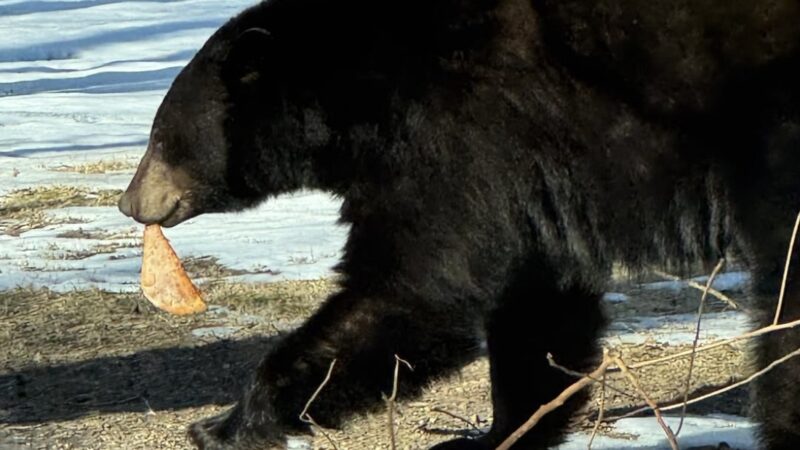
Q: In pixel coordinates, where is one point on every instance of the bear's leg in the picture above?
(535, 322)
(775, 394)
(766, 195)
(363, 334)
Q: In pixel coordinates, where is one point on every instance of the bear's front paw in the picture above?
(208, 434)
(227, 431)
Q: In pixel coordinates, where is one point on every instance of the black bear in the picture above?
(494, 158)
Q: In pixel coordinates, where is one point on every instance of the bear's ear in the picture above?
(247, 58)
(253, 35)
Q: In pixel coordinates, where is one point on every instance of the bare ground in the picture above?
(94, 370)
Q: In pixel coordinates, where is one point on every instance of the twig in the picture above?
(600, 414)
(719, 295)
(313, 397)
(696, 340)
(720, 343)
(635, 382)
(553, 404)
(305, 417)
(577, 374)
(719, 391)
(455, 416)
(789, 253)
(393, 397)
(150, 411)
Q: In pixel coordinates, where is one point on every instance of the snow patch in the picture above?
(644, 433)
(678, 329)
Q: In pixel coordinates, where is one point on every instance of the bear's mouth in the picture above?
(181, 212)
(148, 209)
(156, 208)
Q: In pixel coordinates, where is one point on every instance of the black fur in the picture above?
(495, 157)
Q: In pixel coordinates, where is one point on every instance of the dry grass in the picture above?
(288, 300)
(99, 249)
(55, 196)
(209, 267)
(99, 235)
(97, 167)
(31, 220)
(25, 209)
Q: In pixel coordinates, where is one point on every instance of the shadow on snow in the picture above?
(23, 8)
(181, 56)
(99, 83)
(66, 49)
(24, 152)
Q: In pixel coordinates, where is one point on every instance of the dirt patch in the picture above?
(97, 370)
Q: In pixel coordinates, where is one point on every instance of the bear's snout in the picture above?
(157, 193)
(149, 206)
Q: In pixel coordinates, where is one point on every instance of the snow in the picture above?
(728, 281)
(678, 329)
(644, 433)
(80, 81)
(615, 297)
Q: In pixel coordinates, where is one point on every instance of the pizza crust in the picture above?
(164, 281)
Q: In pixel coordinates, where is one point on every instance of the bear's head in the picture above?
(229, 133)
(280, 99)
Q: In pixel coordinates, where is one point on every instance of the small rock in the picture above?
(215, 332)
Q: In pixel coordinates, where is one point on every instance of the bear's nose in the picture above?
(125, 204)
(155, 204)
